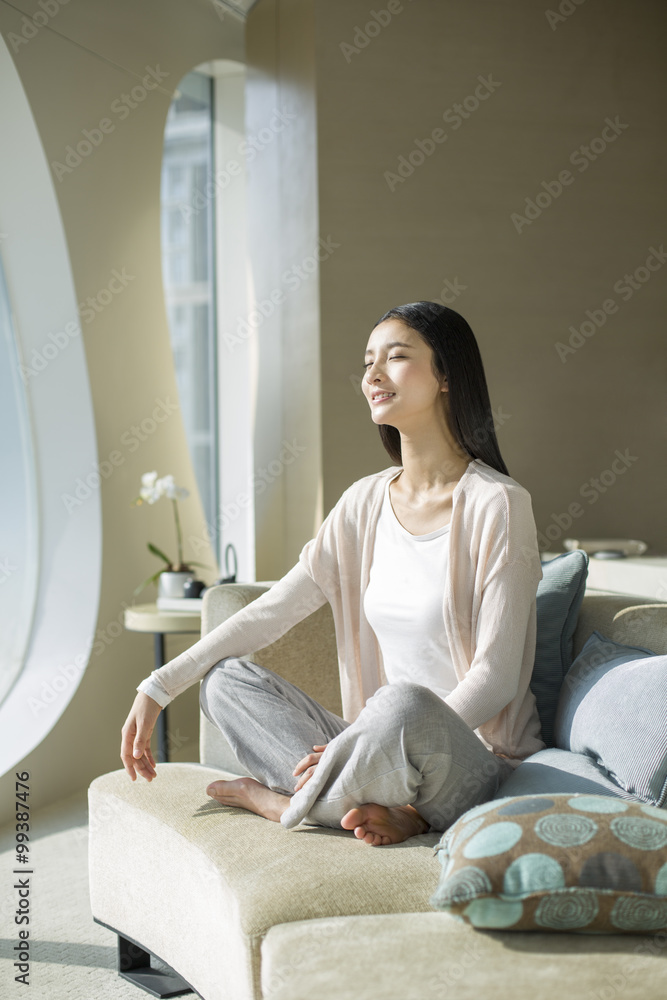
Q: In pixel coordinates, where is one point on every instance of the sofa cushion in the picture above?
(430, 956)
(555, 770)
(590, 863)
(559, 596)
(199, 884)
(613, 707)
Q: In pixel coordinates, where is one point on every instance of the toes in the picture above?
(217, 789)
(350, 820)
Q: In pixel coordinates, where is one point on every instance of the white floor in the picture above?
(72, 958)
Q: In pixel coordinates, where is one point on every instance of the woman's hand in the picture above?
(135, 747)
(306, 767)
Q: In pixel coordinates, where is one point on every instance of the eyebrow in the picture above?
(394, 343)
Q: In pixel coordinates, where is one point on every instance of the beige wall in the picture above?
(73, 70)
(449, 221)
(560, 423)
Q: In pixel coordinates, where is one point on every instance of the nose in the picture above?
(371, 373)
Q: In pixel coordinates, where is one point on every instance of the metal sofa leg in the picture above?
(134, 964)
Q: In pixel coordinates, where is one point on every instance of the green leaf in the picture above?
(151, 579)
(158, 552)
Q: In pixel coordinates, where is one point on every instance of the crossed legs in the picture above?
(407, 764)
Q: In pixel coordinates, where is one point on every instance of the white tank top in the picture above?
(403, 602)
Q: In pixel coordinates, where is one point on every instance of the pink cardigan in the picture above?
(489, 607)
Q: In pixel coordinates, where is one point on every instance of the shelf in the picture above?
(642, 576)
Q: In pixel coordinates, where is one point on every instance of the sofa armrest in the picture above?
(625, 618)
(306, 656)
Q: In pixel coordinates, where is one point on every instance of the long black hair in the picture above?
(455, 357)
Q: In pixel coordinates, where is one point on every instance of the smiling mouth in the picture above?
(381, 399)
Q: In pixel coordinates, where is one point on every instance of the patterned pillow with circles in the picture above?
(562, 862)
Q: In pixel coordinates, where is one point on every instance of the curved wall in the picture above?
(99, 79)
(65, 564)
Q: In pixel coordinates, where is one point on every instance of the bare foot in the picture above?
(382, 825)
(247, 793)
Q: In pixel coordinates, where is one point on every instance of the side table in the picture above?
(147, 618)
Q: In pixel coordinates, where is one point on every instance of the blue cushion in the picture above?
(555, 770)
(559, 596)
(613, 707)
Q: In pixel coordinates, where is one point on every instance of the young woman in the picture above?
(431, 569)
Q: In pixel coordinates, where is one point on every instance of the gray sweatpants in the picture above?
(405, 747)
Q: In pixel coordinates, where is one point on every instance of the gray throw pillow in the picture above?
(613, 707)
(559, 596)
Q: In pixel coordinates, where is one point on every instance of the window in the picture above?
(206, 281)
(188, 267)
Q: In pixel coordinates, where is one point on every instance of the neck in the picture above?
(431, 462)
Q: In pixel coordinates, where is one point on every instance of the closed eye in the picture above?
(394, 357)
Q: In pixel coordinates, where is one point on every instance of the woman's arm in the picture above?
(505, 624)
(260, 623)
(135, 747)
(505, 632)
(255, 626)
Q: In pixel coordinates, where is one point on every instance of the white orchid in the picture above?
(152, 489)
(169, 489)
(149, 490)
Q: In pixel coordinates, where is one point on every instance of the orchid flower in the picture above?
(152, 489)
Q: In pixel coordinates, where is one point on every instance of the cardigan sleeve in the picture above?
(505, 630)
(263, 621)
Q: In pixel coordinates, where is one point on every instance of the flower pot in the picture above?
(172, 584)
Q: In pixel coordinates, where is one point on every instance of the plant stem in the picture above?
(179, 538)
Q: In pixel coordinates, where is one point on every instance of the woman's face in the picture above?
(398, 362)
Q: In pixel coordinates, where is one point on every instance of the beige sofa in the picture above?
(244, 909)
